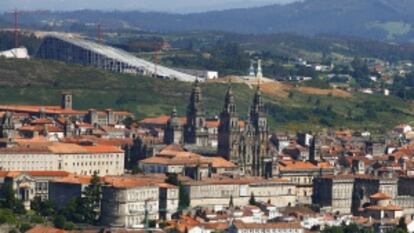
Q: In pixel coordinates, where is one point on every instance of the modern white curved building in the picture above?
(88, 53)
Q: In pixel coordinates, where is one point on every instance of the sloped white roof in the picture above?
(127, 58)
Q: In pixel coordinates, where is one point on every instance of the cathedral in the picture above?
(246, 146)
(243, 143)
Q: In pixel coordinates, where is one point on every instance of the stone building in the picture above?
(249, 147)
(217, 192)
(302, 174)
(195, 129)
(65, 189)
(130, 202)
(83, 158)
(348, 193)
(174, 159)
(244, 144)
(31, 184)
(334, 193)
(66, 110)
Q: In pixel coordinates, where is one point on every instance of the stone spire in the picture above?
(257, 107)
(251, 70)
(195, 132)
(259, 74)
(229, 129)
(229, 102)
(196, 99)
(174, 118)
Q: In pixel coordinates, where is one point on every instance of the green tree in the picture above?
(172, 179)
(184, 198)
(402, 224)
(59, 221)
(44, 208)
(25, 227)
(74, 210)
(252, 200)
(334, 229)
(9, 200)
(91, 200)
(7, 216)
(398, 230)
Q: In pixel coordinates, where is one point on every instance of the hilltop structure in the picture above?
(88, 53)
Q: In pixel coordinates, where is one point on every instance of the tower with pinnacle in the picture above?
(173, 130)
(195, 131)
(229, 128)
(247, 148)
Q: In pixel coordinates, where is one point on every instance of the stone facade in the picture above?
(195, 130)
(217, 192)
(246, 145)
(248, 148)
(302, 174)
(334, 193)
(127, 207)
(348, 193)
(73, 158)
(168, 201)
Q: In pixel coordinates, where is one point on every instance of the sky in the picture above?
(173, 6)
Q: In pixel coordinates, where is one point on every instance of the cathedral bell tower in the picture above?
(229, 129)
(173, 131)
(262, 161)
(258, 115)
(195, 129)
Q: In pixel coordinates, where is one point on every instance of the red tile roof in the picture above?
(45, 229)
(380, 196)
(37, 109)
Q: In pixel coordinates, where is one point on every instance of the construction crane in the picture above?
(16, 19)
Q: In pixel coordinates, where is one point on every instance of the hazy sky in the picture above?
(180, 6)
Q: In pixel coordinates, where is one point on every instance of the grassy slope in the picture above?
(40, 82)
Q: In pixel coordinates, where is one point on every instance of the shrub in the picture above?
(25, 227)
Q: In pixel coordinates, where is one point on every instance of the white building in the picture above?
(83, 159)
(126, 201)
(216, 192)
(18, 53)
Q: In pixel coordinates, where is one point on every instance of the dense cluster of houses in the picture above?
(238, 176)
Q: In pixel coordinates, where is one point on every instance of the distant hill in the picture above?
(377, 19)
(41, 82)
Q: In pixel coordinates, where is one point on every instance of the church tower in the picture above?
(173, 131)
(258, 116)
(195, 129)
(262, 162)
(229, 129)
